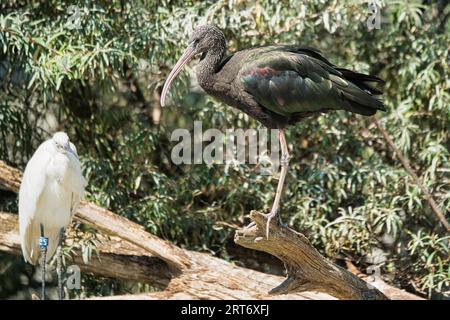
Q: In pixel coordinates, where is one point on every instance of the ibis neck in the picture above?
(207, 68)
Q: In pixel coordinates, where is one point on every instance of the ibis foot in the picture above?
(251, 224)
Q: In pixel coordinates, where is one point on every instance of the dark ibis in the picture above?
(278, 85)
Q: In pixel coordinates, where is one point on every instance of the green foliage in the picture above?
(345, 190)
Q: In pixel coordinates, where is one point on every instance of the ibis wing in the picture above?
(289, 80)
(31, 188)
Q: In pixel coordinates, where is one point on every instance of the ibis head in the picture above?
(202, 40)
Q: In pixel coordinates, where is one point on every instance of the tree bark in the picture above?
(307, 269)
(208, 278)
(185, 274)
(113, 258)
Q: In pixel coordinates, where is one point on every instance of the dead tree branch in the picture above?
(194, 275)
(405, 163)
(114, 258)
(209, 277)
(307, 269)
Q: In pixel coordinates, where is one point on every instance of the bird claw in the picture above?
(258, 239)
(251, 224)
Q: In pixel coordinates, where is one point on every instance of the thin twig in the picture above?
(433, 205)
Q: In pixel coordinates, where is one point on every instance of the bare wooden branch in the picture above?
(392, 292)
(113, 224)
(193, 275)
(9, 177)
(217, 279)
(307, 269)
(177, 295)
(114, 258)
(405, 163)
(209, 277)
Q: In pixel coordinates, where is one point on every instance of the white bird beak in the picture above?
(69, 150)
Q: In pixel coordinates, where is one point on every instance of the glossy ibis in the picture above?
(277, 85)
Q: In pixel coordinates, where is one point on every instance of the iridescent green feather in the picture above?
(289, 80)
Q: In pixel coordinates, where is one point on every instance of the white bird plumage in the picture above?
(51, 189)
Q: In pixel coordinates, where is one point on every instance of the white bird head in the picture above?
(62, 143)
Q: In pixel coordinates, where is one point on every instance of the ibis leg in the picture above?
(284, 168)
(43, 243)
(59, 264)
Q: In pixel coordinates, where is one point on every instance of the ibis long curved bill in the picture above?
(185, 57)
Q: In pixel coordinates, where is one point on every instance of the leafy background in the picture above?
(345, 189)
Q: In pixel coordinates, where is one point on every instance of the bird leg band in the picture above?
(43, 243)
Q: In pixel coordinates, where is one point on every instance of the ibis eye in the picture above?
(195, 42)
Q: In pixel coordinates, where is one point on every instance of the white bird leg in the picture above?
(284, 168)
(43, 243)
(59, 264)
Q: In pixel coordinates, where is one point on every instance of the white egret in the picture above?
(51, 189)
